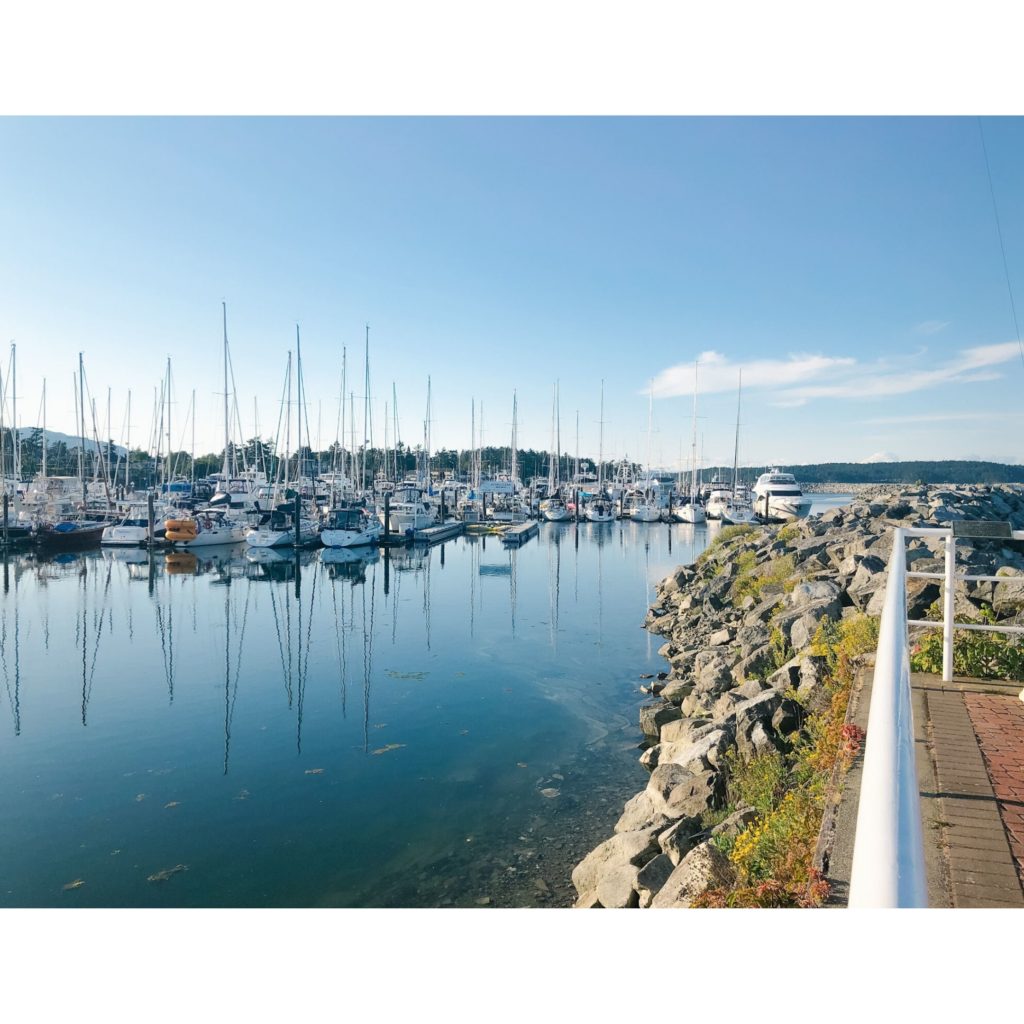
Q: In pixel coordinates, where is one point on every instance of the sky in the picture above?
(850, 267)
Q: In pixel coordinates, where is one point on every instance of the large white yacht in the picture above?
(777, 495)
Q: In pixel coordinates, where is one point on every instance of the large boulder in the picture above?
(654, 716)
(704, 867)
(678, 793)
(640, 812)
(712, 671)
(679, 839)
(617, 889)
(635, 848)
(699, 755)
(652, 877)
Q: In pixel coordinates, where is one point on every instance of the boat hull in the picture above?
(351, 538)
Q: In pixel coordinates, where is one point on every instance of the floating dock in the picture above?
(519, 534)
(433, 534)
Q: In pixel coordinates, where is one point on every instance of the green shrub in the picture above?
(975, 654)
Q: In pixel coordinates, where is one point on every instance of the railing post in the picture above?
(948, 602)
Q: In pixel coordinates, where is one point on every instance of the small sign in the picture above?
(982, 530)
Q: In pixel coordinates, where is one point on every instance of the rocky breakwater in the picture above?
(744, 672)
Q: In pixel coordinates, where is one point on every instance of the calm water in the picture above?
(452, 726)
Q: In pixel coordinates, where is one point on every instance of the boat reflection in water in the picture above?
(362, 712)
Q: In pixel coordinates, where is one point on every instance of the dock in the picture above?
(520, 533)
(434, 534)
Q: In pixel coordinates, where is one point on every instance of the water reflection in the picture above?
(217, 685)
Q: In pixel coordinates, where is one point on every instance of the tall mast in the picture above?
(600, 446)
(736, 450)
(366, 405)
(16, 442)
(394, 414)
(344, 385)
(81, 435)
(224, 308)
(45, 445)
(577, 472)
(193, 457)
(298, 419)
(127, 442)
(650, 421)
(110, 431)
(558, 437)
(472, 442)
(693, 460)
(514, 440)
(167, 461)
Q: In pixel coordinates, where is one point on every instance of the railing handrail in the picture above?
(888, 857)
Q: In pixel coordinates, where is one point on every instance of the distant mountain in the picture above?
(56, 437)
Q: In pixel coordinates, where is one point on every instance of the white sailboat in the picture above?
(646, 507)
(693, 512)
(600, 509)
(553, 508)
(737, 510)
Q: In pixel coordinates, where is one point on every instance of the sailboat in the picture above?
(279, 528)
(693, 512)
(600, 509)
(646, 508)
(554, 509)
(737, 510)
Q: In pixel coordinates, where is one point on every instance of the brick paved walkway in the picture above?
(999, 724)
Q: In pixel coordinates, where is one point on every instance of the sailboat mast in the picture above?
(736, 449)
(693, 469)
(167, 459)
(224, 310)
(81, 435)
(600, 446)
(127, 440)
(650, 423)
(298, 420)
(45, 445)
(366, 405)
(514, 439)
(16, 436)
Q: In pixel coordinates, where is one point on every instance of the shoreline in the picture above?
(744, 673)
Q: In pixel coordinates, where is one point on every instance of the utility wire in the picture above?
(999, 232)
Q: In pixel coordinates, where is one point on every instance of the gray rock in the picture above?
(675, 690)
(712, 671)
(617, 888)
(679, 839)
(678, 793)
(652, 877)
(720, 639)
(686, 730)
(696, 756)
(639, 813)
(625, 848)
(654, 716)
(704, 867)
(812, 594)
(735, 823)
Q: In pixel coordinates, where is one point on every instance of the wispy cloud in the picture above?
(718, 373)
(970, 366)
(930, 326)
(802, 377)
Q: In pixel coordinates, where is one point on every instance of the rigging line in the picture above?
(99, 633)
(1002, 247)
(280, 647)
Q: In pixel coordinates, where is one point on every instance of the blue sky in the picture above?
(850, 266)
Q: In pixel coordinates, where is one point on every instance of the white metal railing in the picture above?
(888, 856)
(888, 853)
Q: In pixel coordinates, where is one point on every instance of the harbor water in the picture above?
(445, 726)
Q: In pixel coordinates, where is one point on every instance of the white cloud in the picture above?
(881, 457)
(884, 379)
(717, 373)
(930, 326)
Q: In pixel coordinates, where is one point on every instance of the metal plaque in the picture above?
(982, 530)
